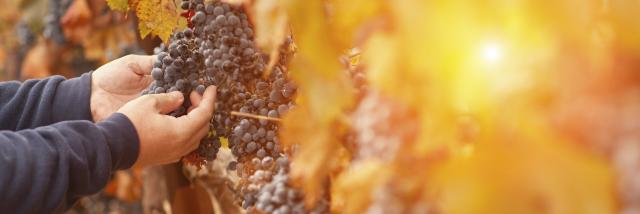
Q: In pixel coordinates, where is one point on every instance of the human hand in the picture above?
(163, 138)
(118, 82)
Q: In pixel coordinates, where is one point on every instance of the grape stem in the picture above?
(255, 116)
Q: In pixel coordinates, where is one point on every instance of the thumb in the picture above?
(201, 114)
(139, 64)
(165, 103)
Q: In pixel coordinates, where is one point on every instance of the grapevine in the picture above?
(218, 49)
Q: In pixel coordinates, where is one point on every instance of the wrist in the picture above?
(93, 103)
(123, 140)
(72, 99)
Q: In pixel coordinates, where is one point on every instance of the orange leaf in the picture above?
(37, 62)
(76, 23)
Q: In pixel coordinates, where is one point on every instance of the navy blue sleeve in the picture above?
(46, 169)
(51, 153)
(36, 103)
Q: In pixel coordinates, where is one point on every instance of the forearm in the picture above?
(36, 103)
(46, 169)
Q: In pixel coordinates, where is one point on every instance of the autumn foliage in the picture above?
(456, 106)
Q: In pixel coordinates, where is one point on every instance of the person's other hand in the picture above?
(118, 82)
(163, 138)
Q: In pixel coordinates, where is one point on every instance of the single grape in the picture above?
(198, 17)
(200, 89)
(157, 74)
(233, 20)
(185, 5)
(217, 11)
(273, 114)
(221, 20)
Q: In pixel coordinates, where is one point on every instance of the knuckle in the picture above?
(151, 99)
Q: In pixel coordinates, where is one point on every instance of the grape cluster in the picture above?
(103, 203)
(218, 49)
(279, 197)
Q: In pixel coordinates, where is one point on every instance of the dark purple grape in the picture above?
(218, 11)
(251, 147)
(185, 5)
(233, 20)
(167, 60)
(209, 8)
(258, 103)
(262, 86)
(282, 109)
(159, 90)
(178, 63)
(198, 17)
(180, 84)
(273, 113)
(261, 153)
(248, 52)
(188, 32)
(217, 53)
(276, 97)
(157, 74)
(221, 20)
(233, 165)
(200, 89)
(178, 35)
(161, 56)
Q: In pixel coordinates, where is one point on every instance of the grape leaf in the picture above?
(119, 5)
(351, 192)
(317, 70)
(270, 27)
(157, 17)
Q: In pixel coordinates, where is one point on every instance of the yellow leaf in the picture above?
(270, 26)
(157, 17)
(348, 18)
(317, 71)
(270, 23)
(351, 192)
(119, 5)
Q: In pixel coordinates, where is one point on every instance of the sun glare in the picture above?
(492, 52)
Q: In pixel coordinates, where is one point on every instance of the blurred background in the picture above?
(64, 37)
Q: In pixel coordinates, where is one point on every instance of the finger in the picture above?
(140, 64)
(195, 141)
(195, 98)
(201, 114)
(165, 103)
